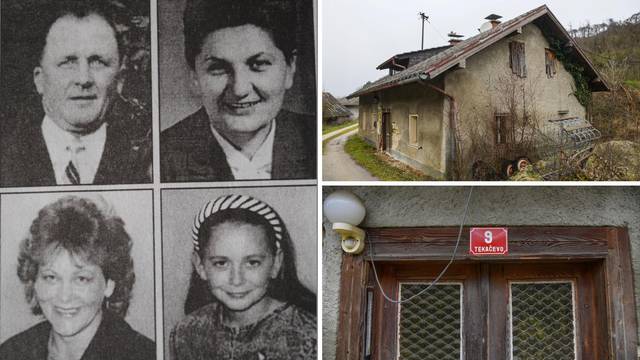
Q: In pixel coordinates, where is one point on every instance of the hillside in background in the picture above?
(614, 48)
(614, 45)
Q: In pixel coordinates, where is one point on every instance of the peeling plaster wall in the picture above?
(487, 86)
(402, 101)
(483, 88)
(507, 205)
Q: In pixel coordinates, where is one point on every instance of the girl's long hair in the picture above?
(286, 287)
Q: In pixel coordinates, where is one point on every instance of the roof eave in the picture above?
(599, 84)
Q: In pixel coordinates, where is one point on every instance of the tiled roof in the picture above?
(447, 59)
(332, 108)
(411, 58)
(349, 102)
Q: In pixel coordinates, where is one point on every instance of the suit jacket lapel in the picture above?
(114, 158)
(36, 165)
(289, 158)
(206, 161)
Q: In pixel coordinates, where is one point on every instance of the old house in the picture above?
(351, 104)
(485, 98)
(332, 111)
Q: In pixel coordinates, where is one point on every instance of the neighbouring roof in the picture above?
(411, 58)
(332, 108)
(437, 64)
(349, 102)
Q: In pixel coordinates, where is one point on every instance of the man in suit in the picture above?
(86, 135)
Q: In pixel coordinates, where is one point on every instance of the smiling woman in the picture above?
(77, 271)
(242, 59)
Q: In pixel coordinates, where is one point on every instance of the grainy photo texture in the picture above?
(237, 279)
(237, 90)
(77, 276)
(75, 90)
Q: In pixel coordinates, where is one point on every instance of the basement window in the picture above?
(517, 59)
(550, 63)
(413, 130)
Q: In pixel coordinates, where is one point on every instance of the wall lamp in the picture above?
(346, 212)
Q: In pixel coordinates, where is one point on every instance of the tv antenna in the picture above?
(424, 18)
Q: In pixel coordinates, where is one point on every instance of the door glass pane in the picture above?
(430, 324)
(542, 321)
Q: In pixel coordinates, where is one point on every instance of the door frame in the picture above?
(486, 302)
(609, 246)
(387, 130)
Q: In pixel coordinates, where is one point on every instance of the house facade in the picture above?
(481, 99)
(351, 105)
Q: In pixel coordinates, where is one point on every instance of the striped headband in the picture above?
(229, 202)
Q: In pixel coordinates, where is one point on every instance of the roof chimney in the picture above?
(454, 38)
(493, 19)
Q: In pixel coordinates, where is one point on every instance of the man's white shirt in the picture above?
(85, 151)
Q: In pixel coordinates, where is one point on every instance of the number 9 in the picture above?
(488, 237)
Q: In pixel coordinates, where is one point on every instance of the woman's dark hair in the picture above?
(94, 235)
(49, 12)
(203, 17)
(285, 287)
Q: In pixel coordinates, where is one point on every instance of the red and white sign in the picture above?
(488, 241)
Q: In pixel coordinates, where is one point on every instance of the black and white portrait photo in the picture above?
(75, 90)
(237, 90)
(240, 273)
(77, 276)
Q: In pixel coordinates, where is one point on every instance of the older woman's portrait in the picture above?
(237, 86)
(77, 276)
(240, 273)
(75, 92)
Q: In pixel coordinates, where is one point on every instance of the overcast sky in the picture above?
(359, 35)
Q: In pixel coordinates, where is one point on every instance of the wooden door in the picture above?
(386, 131)
(490, 311)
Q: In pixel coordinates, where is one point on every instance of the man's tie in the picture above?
(72, 173)
(71, 170)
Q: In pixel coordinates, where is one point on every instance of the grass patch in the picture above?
(367, 157)
(329, 128)
(633, 83)
(326, 141)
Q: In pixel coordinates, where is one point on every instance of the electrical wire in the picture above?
(435, 281)
(436, 30)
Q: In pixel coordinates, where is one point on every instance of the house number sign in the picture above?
(488, 241)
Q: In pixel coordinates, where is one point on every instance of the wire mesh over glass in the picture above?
(430, 324)
(542, 321)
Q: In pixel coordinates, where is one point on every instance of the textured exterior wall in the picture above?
(402, 101)
(511, 205)
(484, 87)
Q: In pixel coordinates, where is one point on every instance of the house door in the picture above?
(489, 311)
(386, 131)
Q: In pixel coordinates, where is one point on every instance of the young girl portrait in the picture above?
(244, 298)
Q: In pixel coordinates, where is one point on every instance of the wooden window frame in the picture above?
(517, 58)
(365, 123)
(550, 63)
(413, 130)
(608, 245)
